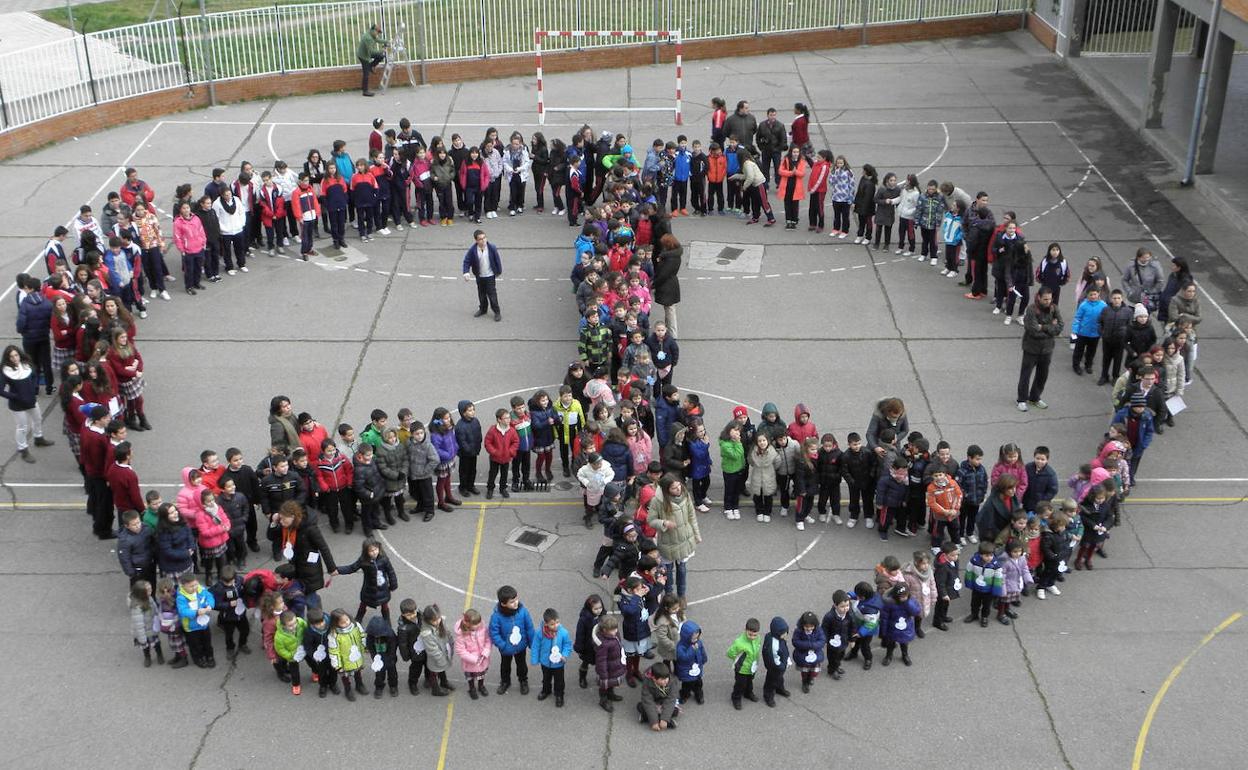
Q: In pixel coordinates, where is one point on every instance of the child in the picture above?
(1009, 461)
(829, 471)
(667, 623)
(973, 480)
(236, 507)
(381, 643)
(609, 661)
(369, 487)
(423, 460)
(501, 445)
(951, 234)
(345, 647)
(690, 662)
(227, 597)
(472, 645)
(143, 623)
(1096, 513)
(699, 166)
(897, 623)
(523, 427)
(195, 610)
(916, 485)
(379, 578)
(732, 465)
(744, 654)
(550, 650)
(411, 649)
(921, 581)
(591, 612)
(438, 648)
(315, 634)
(859, 469)
(1087, 329)
(842, 183)
(364, 196)
(657, 707)
(891, 493)
(1054, 551)
(867, 605)
(948, 583)
(545, 423)
(944, 504)
(167, 621)
(1041, 480)
(391, 460)
(716, 173)
(288, 644)
(271, 608)
(983, 575)
(839, 628)
(636, 628)
(136, 549)
(213, 528)
(1053, 271)
(442, 434)
(1017, 578)
(511, 631)
(808, 648)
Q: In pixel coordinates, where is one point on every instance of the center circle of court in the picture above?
(721, 595)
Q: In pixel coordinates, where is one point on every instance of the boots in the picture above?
(905, 656)
(25, 455)
(359, 684)
(413, 686)
(515, 485)
(143, 423)
(482, 690)
(41, 441)
(378, 691)
(472, 689)
(805, 682)
(179, 661)
(604, 701)
(147, 657)
(346, 689)
(489, 492)
(632, 663)
(888, 658)
(434, 687)
(583, 678)
(402, 514)
(389, 516)
(132, 422)
(160, 654)
(567, 471)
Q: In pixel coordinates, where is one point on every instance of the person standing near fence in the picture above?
(370, 52)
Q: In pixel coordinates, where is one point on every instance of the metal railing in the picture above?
(1125, 28)
(98, 67)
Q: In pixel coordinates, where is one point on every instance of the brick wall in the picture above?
(1041, 31)
(22, 140)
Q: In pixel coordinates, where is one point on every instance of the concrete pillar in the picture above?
(1159, 62)
(1222, 50)
(1075, 24)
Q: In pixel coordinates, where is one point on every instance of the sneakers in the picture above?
(852, 523)
(1055, 590)
(758, 517)
(1022, 406)
(165, 296)
(933, 262)
(1008, 319)
(859, 241)
(1039, 404)
(244, 269)
(869, 524)
(973, 538)
(996, 310)
(801, 526)
(823, 518)
(1018, 319)
(731, 515)
(1040, 594)
(838, 520)
(142, 314)
(703, 508)
(784, 512)
(384, 231)
(899, 252)
(511, 212)
(766, 518)
(152, 295)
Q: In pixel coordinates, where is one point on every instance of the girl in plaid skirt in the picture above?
(71, 425)
(126, 366)
(64, 334)
(167, 621)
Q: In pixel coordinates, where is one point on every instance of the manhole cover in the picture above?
(725, 257)
(531, 539)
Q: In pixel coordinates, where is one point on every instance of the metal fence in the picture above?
(1125, 28)
(98, 67)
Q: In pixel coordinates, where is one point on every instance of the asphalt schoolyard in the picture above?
(798, 317)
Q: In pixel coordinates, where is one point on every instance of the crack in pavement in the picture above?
(827, 721)
(606, 749)
(1044, 701)
(203, 739)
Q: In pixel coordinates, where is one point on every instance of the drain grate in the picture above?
(531, 539)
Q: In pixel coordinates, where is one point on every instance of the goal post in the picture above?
(539, 35)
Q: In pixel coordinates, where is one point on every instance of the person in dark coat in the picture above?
(666, 284)
(775, 655)
(300, 542)
(379, 579)
(482, 263)
(1042, 324)
(897, 623)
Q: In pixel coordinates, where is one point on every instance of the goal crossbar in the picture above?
(539, 35)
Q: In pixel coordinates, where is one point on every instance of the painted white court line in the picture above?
(943, 150)
(762, 579)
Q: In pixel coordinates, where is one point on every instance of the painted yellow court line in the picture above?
(1165, 686)
(472, 581)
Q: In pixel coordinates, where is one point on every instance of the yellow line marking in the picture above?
(472, 580)
(1165, 686)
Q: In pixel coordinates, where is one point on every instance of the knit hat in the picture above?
(739, 412)
(1138, 399)
(594, 457)
(1140, 310)
(626, 149)
(629, 527)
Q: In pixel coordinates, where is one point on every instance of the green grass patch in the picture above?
(122, 13)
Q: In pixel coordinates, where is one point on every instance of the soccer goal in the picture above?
(673, 35)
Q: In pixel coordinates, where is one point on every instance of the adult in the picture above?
(1142, 281)
(34, 324)
(1042, 324)
(299, 541)
(672, 516)
(19, 385)
(212, 235)
(95, 448)
(482, 262)
(772, 141)
(995, 514)
(664, 353)
(135, 190)
(153, 245)
(666, 284)
(742, 125)
(1180, 276)
(889, 413)
(980, 224)
(232, 219)
(370, 52)
(283, 430)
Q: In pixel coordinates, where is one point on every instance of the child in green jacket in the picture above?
(744, 654)
(732, 464)
(288, 644)
(345, 646)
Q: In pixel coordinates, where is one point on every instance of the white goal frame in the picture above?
(539, 35)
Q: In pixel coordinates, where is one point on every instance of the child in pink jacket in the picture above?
(472, 647)
(212, 528)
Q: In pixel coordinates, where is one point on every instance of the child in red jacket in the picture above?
(501, 444)
(272, 208)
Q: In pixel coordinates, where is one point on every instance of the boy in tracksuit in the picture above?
(744, 654)
(916, 483)
(973, 479)
(1055, 551)
(551, 648)
(891, 493)
(511, 631)
(502, 444)
(775, 652)
(680, 176)
(985, 577)
(698, 166)
(859, 469)
(409, 650)
(468, 442)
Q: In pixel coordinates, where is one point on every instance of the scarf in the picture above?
(924, 575)
(231, 206)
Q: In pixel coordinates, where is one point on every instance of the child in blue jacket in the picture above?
(891, 494)
(808, 648)
(897, 623)
(866, 606)
(511, 631)
(551, 649)
(635, 626)
(700, 464)
(986, 579)
(973, 478)
(680, 177)
(1087, 329)
(775, 655)
(690, 662)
